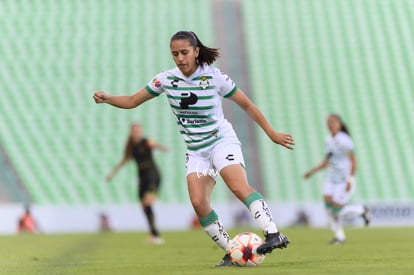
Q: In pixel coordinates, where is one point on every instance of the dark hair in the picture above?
(344, 128)
(206, 54)
(130, 142)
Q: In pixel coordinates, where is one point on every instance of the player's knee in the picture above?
(147, 200)
(337, 204)
(327, 198)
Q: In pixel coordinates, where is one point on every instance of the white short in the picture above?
(210, 161)
(338, 192)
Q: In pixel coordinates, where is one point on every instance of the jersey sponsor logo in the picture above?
(191, 99)
(184, 120)
(187, 112)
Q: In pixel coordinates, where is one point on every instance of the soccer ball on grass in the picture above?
(242, 249)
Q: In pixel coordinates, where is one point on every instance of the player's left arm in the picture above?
(353, 163)
(154, 144)
(351, 178)
(253, 111)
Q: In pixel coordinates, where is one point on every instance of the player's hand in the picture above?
(100, 97)
(286, 140)
(307, 175)
(349, 183)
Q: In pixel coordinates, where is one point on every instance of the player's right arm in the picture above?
(116, 169)
(321, 166)
(123, 101)
(154, 144)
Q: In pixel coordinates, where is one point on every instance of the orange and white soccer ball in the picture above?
(242, 249)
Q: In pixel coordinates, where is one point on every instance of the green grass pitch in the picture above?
(367, 251)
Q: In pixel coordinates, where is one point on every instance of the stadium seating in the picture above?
(54, 55)
(306, 59)
(312, 58)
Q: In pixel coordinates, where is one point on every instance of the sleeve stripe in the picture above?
(151, 91)
(231, 92)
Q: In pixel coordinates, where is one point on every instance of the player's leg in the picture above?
(339, 198)
(201, 178)
(199, 189)
(354, 210)
(228, 159)
(333, 221)
(147, 203)
(235, 178)
(200, 184)
(148, 189)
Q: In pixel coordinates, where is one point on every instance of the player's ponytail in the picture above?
(129, 143)
(206, 54)
(344, 128)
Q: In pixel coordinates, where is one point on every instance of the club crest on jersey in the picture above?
(156, 82)
(204, 82)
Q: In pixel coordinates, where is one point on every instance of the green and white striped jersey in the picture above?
(338, 150)
(196, 101)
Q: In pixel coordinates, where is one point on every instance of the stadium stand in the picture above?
(311, 58)
(54, 55)
(306, 58)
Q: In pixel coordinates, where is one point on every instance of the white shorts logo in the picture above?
(206, 172)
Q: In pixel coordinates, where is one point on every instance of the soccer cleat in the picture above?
(155, 240)
(226, 261)
(273, 240)
(366, 215)
(337, 241)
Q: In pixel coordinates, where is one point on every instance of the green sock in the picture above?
(251, 198)
(209, 219)
(215, 229)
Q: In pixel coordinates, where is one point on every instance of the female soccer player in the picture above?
(139, 149)
(194, 90)
(340, 181)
